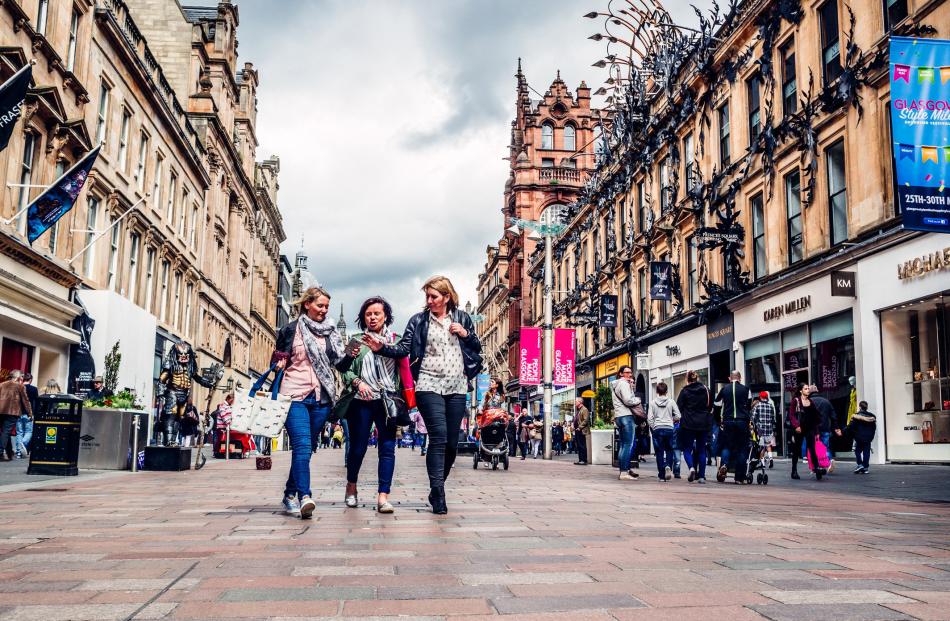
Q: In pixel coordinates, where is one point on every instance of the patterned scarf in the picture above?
(379, 371)
(322, 358)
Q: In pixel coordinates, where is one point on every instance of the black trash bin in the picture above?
(616, 459)
(56, 429)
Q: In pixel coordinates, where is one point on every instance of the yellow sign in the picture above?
(51, 435)
(610, 367)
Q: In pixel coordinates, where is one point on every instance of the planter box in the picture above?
(105, 438)
(602, 447)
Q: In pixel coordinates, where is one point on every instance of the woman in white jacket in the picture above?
(662, 417)
(625, 401)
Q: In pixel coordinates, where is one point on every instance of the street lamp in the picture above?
(547, 228)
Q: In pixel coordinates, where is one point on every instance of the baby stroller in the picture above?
(492, 438)
(756, 462)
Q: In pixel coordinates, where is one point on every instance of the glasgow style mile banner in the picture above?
(920, 127)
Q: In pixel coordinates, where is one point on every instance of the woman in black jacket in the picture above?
(444, 354)
(695, 405)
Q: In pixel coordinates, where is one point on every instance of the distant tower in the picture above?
(341, 323)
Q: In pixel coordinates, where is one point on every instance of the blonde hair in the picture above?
(444, 286)
(309, 296)
(52, 388)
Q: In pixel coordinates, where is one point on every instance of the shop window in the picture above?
(793, 210)
(894, 13)
(73, 39)
(759, 258)
(15, 355)
(789, 80)
(830, 42)
(837, 193)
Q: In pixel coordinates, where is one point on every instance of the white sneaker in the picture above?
(668, 475)
(307, 507)
(831, 466)
(625, 476)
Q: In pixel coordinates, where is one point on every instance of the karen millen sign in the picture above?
(797, 305)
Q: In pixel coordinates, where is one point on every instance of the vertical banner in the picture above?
(608, 311)
(564, 357)
(920, 129)
(12, 94)
(529, 361)
(481, 386)
(661, 279)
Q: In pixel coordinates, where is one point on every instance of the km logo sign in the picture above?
(844, 284)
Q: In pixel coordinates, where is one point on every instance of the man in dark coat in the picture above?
(827, 424)
(733, 400)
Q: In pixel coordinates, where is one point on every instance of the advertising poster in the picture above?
(481, 386)
(661, 280)
(608, 311)
(529, 359)
(920, 126)
(564, 357)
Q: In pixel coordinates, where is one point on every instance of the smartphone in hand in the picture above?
(353, 347)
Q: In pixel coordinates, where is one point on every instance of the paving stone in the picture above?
(830, 585)
(301, 594)
(708, 613)
(524, 578)
(776, 564)
(856, 596)
(323, 570)
(417, 607)
(838, 612)
(509, 605)
(80, 612)
(441, 592)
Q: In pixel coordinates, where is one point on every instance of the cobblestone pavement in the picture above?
(544, 540)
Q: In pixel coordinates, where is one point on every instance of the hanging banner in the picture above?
(529, 360)
(565, 356)
(661, 278)
(59, 198)
(920, 127)
(482, 382)
(12, 94)
(608, 311)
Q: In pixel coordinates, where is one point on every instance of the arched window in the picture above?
(570, 138)
(547, 136)
(227, 353)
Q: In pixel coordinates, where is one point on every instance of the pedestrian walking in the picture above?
(695, 405)
(557, 438)
(444, 354)
(809, 426)
(308, 350)
(861, 429)
(535, 431)
(763, 416)
(189, 424)
(581, 431)
(511, 431)
(794, 429)
(525, 424)
(828, 423)
(662, 418)
(369, 380)
(24, 424)
(625, 401)
(733, 399)
(14, 402)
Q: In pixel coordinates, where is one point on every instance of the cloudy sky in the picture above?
(391, 119)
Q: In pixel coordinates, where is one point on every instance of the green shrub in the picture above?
(604, 408)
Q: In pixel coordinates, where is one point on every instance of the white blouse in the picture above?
(442, 370)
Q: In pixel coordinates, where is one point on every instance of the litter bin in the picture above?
(107, 438)
(56, 430)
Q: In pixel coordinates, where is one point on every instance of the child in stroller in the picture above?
(492, 438)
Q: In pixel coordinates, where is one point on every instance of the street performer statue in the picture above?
(179, 370)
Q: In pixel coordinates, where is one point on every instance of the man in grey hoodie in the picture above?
(662, 416)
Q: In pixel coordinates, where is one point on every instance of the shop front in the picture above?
(669, 360)
(607, 370)
(907, 348)
(802, 335)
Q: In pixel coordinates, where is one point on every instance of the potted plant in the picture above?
(108, 422)
(602, 429)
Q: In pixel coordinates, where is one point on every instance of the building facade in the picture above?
(550, 155)
(192, 225)
(493, 304)
(754, 181)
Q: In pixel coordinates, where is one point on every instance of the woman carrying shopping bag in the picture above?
(307, 351)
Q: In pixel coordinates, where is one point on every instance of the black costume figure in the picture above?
(179, 369)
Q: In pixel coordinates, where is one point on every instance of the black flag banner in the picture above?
(11, 102)
(661, 279)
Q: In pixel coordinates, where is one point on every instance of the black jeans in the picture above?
(443, 416)
(862, 453)
(7, 425)
(735, 440)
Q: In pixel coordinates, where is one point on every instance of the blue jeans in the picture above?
(826, 440)
(677, 453)
(24, 431)
(734, 440)
(305, 422)
(862, 453)
(625, 424)
(663, 447)
(346, 439)
(693, 444)
(361, 416)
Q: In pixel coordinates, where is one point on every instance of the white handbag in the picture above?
(261, 413)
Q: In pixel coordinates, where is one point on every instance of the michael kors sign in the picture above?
(797, 305)
(918, 266)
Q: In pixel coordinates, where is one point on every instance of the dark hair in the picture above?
(692, 376)
(863, 405)
(387, 310)
(27, 377)
(661, 388)
(501, 386)
(798, 389)
(624, 367)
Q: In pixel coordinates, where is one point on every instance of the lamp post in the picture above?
(547, 228)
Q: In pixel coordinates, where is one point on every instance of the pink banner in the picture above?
(564, 357)
(902, 72)
(529, 361)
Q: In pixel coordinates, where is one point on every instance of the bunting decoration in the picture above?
(920, 109)
(59, 198)
(12, 93)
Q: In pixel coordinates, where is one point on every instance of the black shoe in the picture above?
(437, 500)
(580, 463)
(795, 475)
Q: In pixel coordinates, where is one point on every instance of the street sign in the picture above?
(844, 284)
(706, 235)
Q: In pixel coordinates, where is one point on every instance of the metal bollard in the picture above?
(135, 442)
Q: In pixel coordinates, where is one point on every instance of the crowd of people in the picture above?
(18, 401)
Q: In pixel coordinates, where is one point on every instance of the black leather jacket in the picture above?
(413, 343)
